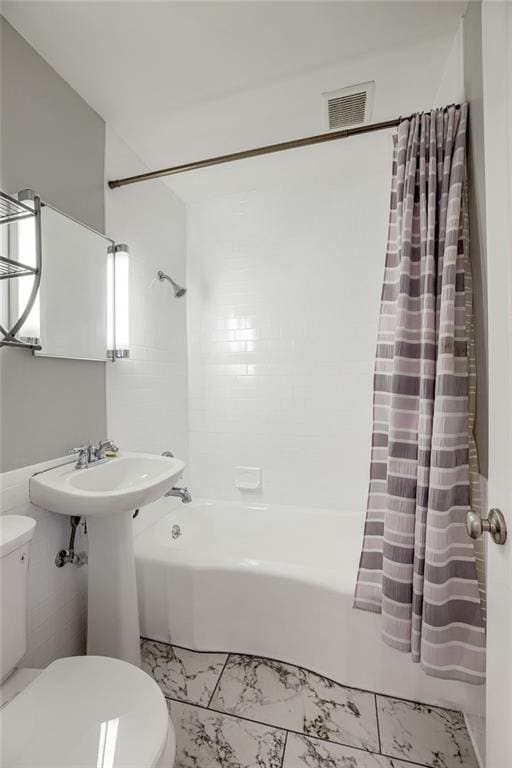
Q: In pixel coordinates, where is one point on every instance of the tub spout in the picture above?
(182, 493)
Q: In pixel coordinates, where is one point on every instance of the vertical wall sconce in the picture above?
(30, 331)
(118, 301)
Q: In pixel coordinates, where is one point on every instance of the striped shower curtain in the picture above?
(417, 563)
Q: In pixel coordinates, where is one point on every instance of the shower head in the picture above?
(179, 290)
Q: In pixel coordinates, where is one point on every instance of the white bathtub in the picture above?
(274, 581)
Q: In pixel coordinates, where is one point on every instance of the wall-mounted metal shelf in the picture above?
(11, 211)
(11, 268)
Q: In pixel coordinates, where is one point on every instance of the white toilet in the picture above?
(79, 712)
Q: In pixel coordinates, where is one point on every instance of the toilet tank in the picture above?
(16, 532)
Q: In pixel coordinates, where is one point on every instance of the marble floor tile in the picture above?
(303, 752)
(263, 690)
(289, 697)
(206, 739)
(184, 675)
(340, 714)
(427, 735)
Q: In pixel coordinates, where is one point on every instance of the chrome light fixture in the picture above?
(118, 302)
(30, 331)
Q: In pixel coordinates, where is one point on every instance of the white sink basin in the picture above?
(122, 484)
(106, 495)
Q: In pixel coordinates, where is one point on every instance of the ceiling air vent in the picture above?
(350, 106)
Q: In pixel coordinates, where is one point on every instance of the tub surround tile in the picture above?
(206, 739)
(304, 752)
(182, 674)
(427, 735)
(289, 697)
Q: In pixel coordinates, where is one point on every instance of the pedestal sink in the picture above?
(107, 494)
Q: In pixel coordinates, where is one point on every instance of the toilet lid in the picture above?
(86, 712)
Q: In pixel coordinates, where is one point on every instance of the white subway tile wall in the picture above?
(285, 284)
(57, 597)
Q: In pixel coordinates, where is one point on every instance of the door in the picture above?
(497, 83)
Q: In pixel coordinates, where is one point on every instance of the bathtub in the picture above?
(274, 581)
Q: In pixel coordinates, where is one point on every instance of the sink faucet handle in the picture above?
(83, 456)
(77, 450)
(108, 443)
(103, 447)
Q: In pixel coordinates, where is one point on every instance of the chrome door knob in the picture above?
(494, 524)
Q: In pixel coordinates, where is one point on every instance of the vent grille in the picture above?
(349, 106)
(347, 110)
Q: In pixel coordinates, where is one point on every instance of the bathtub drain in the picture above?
(176, 532)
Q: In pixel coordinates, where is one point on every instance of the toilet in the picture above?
(83, 711)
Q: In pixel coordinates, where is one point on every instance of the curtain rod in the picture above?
(244, 154)
(258, 151)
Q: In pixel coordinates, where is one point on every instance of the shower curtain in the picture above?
(417, 564)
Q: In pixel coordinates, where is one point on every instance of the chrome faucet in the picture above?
(181, 493)
(90, 454)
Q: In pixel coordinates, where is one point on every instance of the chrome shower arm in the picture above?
(178, 289)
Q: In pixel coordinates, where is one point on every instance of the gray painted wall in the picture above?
(473, 86)
(53, 142)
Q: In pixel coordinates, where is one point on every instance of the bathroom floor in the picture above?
(247, 712)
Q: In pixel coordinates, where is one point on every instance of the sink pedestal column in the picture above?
(112, 615)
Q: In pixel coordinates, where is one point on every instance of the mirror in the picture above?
(70, 314)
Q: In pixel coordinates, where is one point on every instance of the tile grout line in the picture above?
(378, 724)
(229, 715)
(284, 748)
(290, 730)
(218, 681)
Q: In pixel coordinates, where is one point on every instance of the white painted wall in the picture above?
(292, 107)
(450, 89)
(57, 597)
(38, 395)
(147, 394)
(209, 78)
